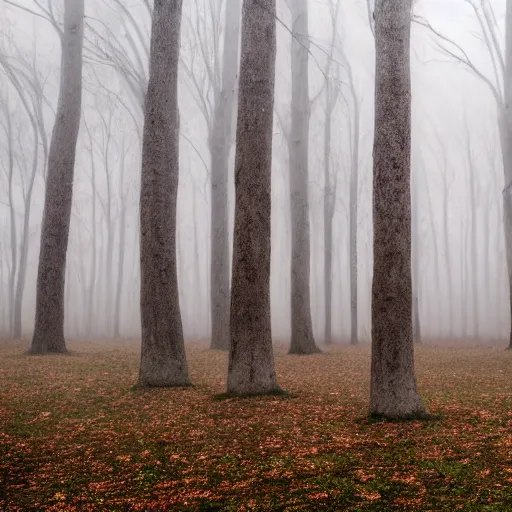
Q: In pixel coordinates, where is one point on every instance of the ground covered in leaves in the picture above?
(76, 435)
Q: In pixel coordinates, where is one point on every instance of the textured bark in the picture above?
(220, 145)
(163, 360)
(251, 360)
(393, 383)
(49, 322)
(302, 340)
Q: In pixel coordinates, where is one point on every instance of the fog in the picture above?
(459, 250)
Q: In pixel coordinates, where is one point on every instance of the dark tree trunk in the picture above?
(220, 146)
(302, 341)
(251, 359)
(393, 383)
(49, 322)
(163, 360)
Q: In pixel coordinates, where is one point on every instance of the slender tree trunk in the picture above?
(328, 218)
(474, 254)
(416, 262)
(447, 259)
(506, 144)
(302, 340)
(220, 146)
(354, 199)
(12, 220)
(22, 270)
(49, 322)
(251, 360)
(92, 281)
(163, 360)
(331, 97)
(122, 240)
(393, 381)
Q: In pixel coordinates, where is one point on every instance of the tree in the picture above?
(302, 341)
(163, 360)
(220, 146)
(506, 147)
(330, 181)
(49, 322)
(251, 360)
(393, 382)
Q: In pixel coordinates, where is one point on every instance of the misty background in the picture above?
(459, 250)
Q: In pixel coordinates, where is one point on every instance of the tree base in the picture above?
(304, 349)
(41, 349)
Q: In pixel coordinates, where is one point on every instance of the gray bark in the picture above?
(163, 360)
(302, 340)
(416, 262)
(122, 239)
(474, 241)
(331, 98)
(92, 278)
(328, 218)
(221, 139)
(506, 143)
(354, 193)
(49, 322)
(251, 360)
(393, 382)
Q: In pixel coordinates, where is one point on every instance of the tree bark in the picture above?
(49, 322)
(220, 146)
(302, 340)
(163, 360)
(393, 383)
(251, 360)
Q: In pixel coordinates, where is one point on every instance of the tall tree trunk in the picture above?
(328, 218)
(506, 144)
(251, 360)
(416, 261)
(464, 276)
(302, 340)
(447, 251)
(122, 238)
(12, 219)
(22, 270)
(91, 325)
(220, 146)
(331, 98)
(393, 382)
(49, 322)
(474, 242)
(354, 193)
(163, 360)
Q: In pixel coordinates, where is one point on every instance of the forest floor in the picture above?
(76, 435)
